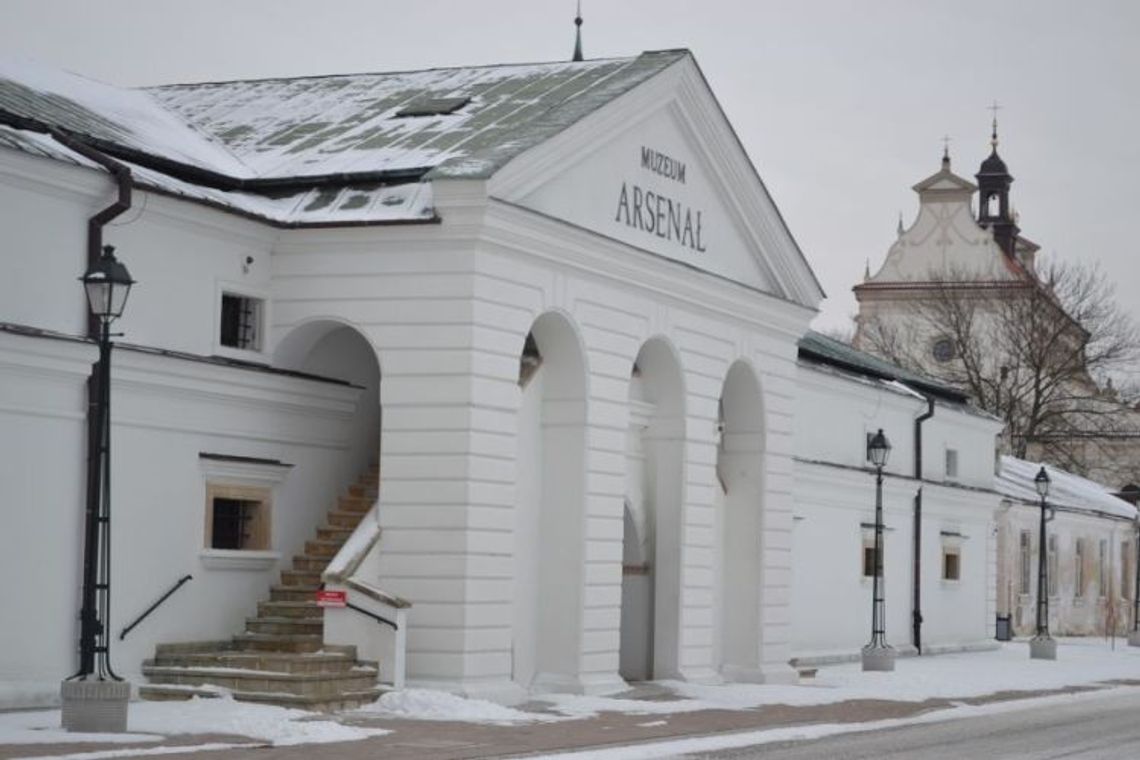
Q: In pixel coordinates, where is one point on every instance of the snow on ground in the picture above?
(150, 721)
(428, 704)
(969, 674)
(948, 676)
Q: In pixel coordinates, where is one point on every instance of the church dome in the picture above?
(993, 165)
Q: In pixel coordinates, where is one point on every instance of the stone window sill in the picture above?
(238, 559)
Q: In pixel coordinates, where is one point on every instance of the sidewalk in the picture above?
(417, 724)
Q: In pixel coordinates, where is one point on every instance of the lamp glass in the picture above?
(1041, 483)
(879, 449)
(108, 283)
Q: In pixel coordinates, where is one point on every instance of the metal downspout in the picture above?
(916, 611)
(95, 224)
(97, 526)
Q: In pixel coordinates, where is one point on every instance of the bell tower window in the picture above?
(993, 206)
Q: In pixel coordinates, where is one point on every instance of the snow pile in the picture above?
(150, 721)
(428, 704)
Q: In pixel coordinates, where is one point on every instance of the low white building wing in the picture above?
(1090, 552)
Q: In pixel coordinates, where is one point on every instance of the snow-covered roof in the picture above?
(1016, 481)
(357, 138)
(352, 123)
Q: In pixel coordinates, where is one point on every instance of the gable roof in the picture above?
(307, 127)
(821, 349)
(449, 122)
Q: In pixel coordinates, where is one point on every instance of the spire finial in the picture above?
(867, 271)
(578, 34)
(900, 227)
(946, 151)
(993, 137)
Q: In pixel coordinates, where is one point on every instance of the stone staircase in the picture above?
(280, 658)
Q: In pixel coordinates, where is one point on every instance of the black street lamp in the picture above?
(87, 693)
(878, 655)
(1042, 646)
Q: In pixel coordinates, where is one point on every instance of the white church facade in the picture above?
(512, 355)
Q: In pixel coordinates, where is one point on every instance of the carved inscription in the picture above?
(655, 213)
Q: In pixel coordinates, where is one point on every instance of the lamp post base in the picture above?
(1042, 648)
(1134, 639)
(95, 707)
(878, 659)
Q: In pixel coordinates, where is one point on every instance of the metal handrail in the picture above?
(373, 615)
(153, 607)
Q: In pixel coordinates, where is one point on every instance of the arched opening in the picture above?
(651, 545)
(993, 206)
(549, 519)
(332, 349)
(739, 467)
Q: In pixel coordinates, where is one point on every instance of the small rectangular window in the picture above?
(240, 323)
(1079, 569)
(951, 563)
(1125, 577)
(951, 463)
(1102, 569)
(1024, 563)
(869, 561)
(1054, 568)
(237, 518)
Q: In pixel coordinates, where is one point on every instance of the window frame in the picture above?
(260, 350)
(245, 479)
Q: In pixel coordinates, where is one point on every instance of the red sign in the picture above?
(332, 598)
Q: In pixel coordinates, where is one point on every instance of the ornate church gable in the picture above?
(660, 169)
(945, 241)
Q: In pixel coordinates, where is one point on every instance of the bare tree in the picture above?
(1038, 351)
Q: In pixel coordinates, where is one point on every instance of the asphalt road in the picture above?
(1087, 730)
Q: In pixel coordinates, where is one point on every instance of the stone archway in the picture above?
(332, 349)
(549, 517)
(740, 460)
(651, 551)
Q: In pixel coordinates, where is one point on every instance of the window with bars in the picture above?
(237, 517)
(240, 323)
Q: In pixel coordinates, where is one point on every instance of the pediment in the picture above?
(660, 170)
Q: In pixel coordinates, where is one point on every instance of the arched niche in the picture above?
(335, 350)
(549, 509)
(740, 465)
(651, 545)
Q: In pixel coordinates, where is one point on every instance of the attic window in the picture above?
(432, 107)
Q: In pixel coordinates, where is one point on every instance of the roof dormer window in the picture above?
(432, 107)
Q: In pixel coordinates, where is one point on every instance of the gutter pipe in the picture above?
(916, 609)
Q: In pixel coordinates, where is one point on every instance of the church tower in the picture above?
(994, 211)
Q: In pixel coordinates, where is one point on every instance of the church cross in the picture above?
(946, 146)
(995, 108)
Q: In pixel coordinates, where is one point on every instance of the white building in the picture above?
(940, 477)
(1090, 553)
(557, 304)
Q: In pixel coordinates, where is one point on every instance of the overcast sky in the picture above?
(841, 104)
